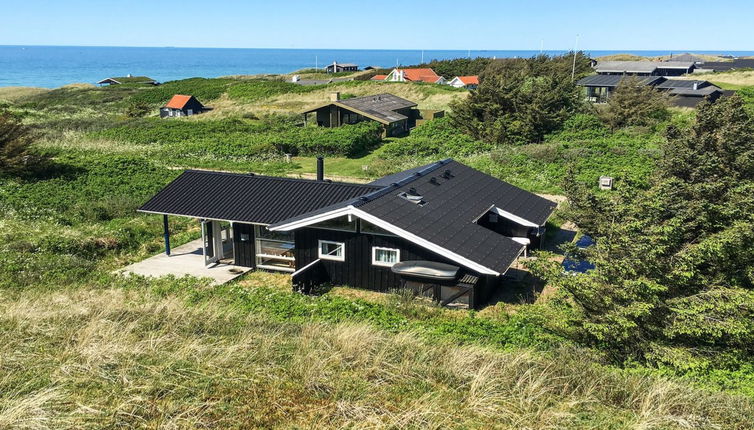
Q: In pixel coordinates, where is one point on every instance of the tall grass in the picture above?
(90, 358)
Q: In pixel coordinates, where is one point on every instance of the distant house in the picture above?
(645, 68)
(689, 58)
(144, 80)
(470, 82)
(372, 68)
(684, 93)
(688, 93)
(296, 79)
(724, 66)
(397, 115)
(181, 105)
(415, 75)
(336, 67)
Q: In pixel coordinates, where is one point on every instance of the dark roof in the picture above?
(397, 177)
(380, 107)
(686, 57)
(452, 206)
(720, 66)
(129, 80)
(701, 92)
(640, 66)
(320, 81)
(683, 83)
(614, 80)
(448, 219)
(247, 198)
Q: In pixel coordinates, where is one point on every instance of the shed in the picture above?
(182, 105)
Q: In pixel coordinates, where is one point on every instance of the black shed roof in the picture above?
(247, 198)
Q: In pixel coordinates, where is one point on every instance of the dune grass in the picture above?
(92, 358)
(733, 80)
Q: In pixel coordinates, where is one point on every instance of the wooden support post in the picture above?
(166, 234)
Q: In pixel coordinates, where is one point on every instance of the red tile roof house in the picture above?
(414, 75)
(470, 82)
(181, 105)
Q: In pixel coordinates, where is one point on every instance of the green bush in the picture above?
(581, 127)
(254, 90)
(201, 88)
(236, 138)
(436, 137)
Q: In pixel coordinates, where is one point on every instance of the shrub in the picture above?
(201, 88)
(635, 104)
(519, 101)
(436, 137)
(236, 138)
(254, 90)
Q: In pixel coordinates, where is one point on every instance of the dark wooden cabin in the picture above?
(397, 115)
(336, 67)
(683, 93)
(445, 230)
(141, 80)
(181, 105)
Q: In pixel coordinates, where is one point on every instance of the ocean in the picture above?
(54, 66)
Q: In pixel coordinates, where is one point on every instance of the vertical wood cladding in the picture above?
(357, 270)
(243, 249)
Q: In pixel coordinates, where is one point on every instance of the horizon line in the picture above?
(377, 49)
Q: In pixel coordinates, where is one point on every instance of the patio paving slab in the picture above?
(183, 260)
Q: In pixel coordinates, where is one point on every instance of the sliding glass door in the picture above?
(274, 250)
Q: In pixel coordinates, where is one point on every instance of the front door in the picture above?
(208, 243)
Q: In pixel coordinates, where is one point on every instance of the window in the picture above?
(340, 223)
(385, 256)
(274, 250)
(368, 227)
(332, 250)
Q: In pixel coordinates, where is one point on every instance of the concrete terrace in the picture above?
(185, 260)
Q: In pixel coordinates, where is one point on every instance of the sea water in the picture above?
(54, 66)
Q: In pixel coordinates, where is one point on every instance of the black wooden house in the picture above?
(397, 115)
(444, 229)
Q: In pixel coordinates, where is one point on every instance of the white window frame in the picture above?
(341, 257)
(383, 263)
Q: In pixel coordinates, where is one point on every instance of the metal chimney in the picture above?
(320, 169)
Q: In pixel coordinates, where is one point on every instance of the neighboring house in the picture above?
(684, 93)
(688, 93)
(379, 77)
(397, 115)
(600, 87)
(689, 58)
(336, 67)
(645, 68)
(296, 79)
(181, 105)
(415, 75)
(373, 68)
(724, 66)
(443, 230)
(470, 82)
(144, 80)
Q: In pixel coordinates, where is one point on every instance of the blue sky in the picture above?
(437, 24)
